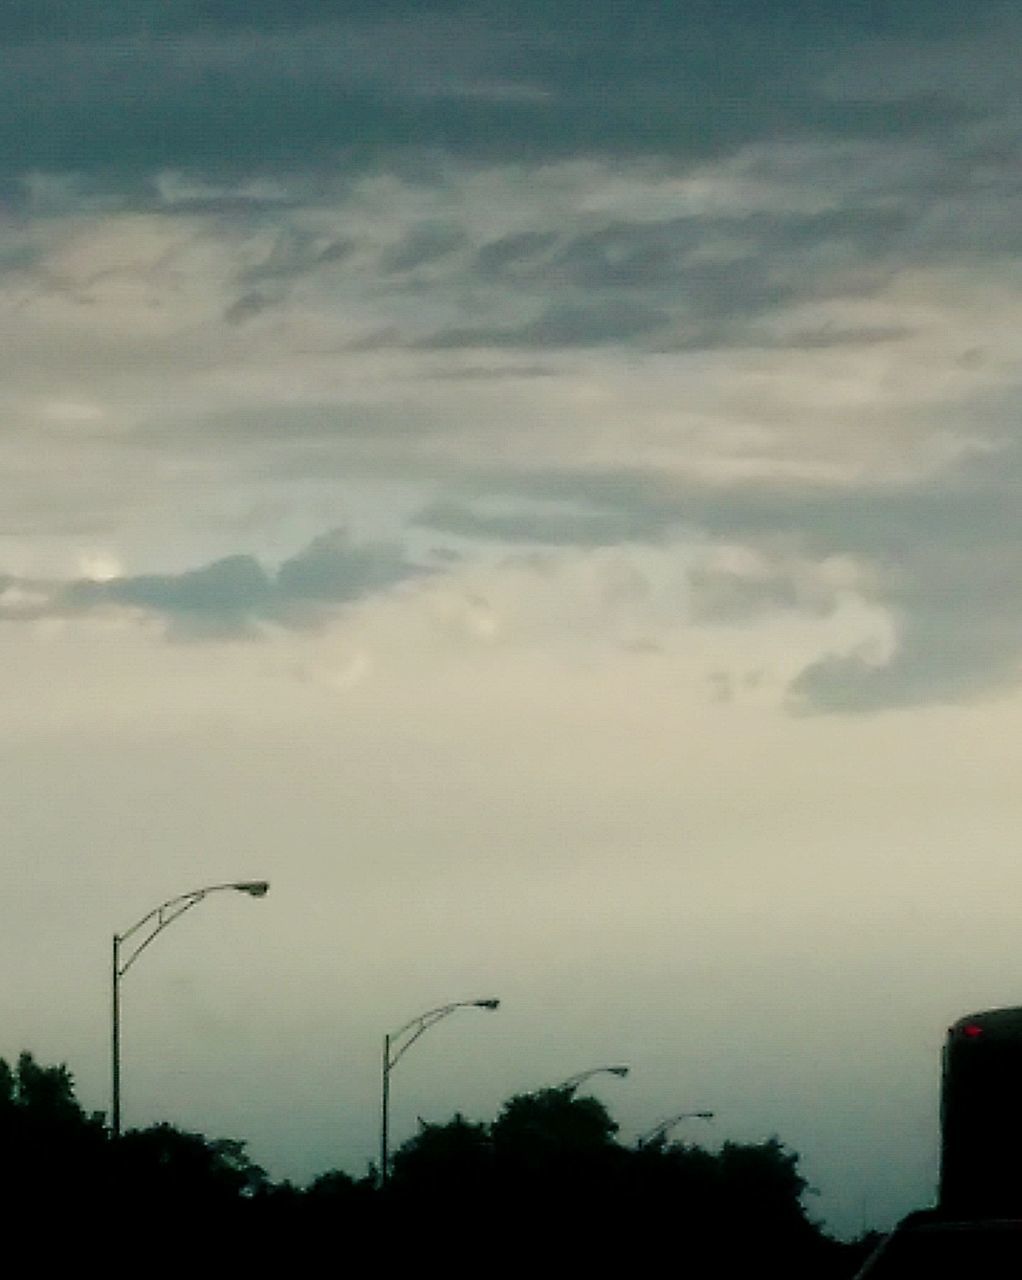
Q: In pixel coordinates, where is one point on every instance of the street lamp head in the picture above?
(487, 1004)
(255, 888)
(618, 1071)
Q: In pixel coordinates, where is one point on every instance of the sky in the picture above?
(538, 484)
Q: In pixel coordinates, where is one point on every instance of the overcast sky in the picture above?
(537, 482)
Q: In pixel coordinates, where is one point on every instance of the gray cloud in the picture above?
(545, 523)
(662, 253)
(959, 614)
(224, 598)
(677, 284)
(246, 307)
(728, 597)
(596, 323)
(943, 555)
(285, 426)
(423, 245)
(941, 658)
(522, 253)
(293, 255)
(491, 373)
(332, 570)
(230, 597)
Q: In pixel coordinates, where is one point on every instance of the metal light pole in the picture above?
(660, 1131)
(395, 1046)
(158, 919)
(572, 1082)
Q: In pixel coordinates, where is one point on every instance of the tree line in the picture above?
(546, 1184)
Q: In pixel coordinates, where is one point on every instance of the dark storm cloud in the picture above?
(328, 88)
(230, 597)
(127, 87)
(43, 19)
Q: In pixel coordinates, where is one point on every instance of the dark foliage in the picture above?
(545, 1186)
(51, 1150)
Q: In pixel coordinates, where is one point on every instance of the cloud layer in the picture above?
(606, 417)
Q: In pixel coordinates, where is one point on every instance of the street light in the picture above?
(660, 1131)
(572, 1082)
(158, 919)
(395, 1046)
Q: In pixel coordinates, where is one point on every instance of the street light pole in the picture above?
(580, 1077)
(115, 1046)
(157, 920)
(660, 1131)
(395, 1046)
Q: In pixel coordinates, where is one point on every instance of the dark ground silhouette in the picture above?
(546, 1185)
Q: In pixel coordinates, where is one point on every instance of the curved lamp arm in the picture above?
(660, 1131)
(572, 1082)
(167, 912)
(395, 1046)
(155, 922)
(418, 1026)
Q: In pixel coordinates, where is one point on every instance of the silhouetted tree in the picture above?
(51, 1152)
(336, 1199)
(552, 1137)
(738, 1210)
(163, 1167)
(550, 1123)
(547, 1183)
(333, 1185)
(456, 1156)
(42, 1095)
(675, 1183)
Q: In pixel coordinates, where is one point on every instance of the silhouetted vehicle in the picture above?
(927, 1246)
(976, 1228)
(981, 1117)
